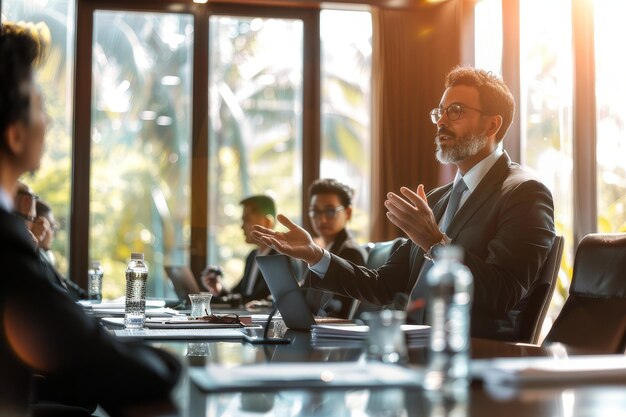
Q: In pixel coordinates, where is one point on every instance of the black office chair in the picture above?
(594, 314)
(526, 318)
(379, 252)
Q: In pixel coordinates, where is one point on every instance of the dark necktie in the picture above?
(453, 204)
(420, 290)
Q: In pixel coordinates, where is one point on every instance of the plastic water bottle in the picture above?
(136, 277)
(451, 288)
(94, 286)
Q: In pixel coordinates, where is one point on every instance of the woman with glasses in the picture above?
(330, 209)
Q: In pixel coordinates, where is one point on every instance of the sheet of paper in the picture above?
(540, 370)
(188, 334)
(117, 304)
(305, 374)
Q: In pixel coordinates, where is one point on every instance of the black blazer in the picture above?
(42, 332)
(324, 303)
(506, 228)
(72, 289)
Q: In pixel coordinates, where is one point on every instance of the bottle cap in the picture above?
(95, 264)
(136, 255)
(452, 252)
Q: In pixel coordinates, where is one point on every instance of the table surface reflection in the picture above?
(477, 400)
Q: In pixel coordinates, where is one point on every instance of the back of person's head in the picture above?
(332, 186)
(22, 47)
(262, 204)
(495, 97)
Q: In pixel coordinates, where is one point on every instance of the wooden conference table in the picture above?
(566, 399)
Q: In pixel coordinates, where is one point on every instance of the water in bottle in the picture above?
(449, 305)
(94, 286)
(136, 277)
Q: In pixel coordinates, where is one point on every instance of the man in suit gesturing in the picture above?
(504, 218)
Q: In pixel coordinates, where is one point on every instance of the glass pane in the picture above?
(140, 144)
(488, 35)
(611, 114)
(546, 108)
(255, 131)
(53, 180)
(346, 107)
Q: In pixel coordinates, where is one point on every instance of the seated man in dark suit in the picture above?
(330, 209)
(44, 249)
(257, 210)
(41, 333)
(499, 214)
(25, 207)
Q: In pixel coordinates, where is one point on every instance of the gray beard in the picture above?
(466, 147)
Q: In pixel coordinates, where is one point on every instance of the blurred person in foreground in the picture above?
(256, 210)
(503, 217)
(330, 210)
(43, 338)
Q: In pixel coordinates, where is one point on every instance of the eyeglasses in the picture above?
(219, 319)
(25, 193)
(26, 217)
(329, 213)
(454, 112)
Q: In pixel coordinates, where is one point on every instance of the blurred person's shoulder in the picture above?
(14, 237)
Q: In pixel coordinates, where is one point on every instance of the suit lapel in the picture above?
(339, 241)
(480, 195)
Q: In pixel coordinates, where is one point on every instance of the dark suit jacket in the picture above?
(328, 304)
(506, 228)
(260, 291)
(42, 332)
(72, 289)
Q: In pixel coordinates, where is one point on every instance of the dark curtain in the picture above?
(413, 52)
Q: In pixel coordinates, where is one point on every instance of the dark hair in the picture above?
(22, 47)
(495, 97)
(332, 186)
(261, 204)
(43, 208)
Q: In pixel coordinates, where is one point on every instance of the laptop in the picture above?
(184, 282)
(288, 296)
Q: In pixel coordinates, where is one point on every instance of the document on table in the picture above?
(188, 334)
(304, 375)
(117, 304)
(415, 334)
(571, 370)
(154, 308)
(177, 323)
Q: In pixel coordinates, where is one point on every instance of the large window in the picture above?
(140, 143)
(488, 35)
(53, 180)
(255, 135)
(609, 33)
(141, 125)
(346, 107)
(545, 42)
(546, 109)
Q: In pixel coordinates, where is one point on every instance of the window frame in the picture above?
(200, 169)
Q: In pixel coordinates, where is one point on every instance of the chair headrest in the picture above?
(600, 266)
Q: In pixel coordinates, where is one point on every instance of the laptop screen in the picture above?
(288, 296)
